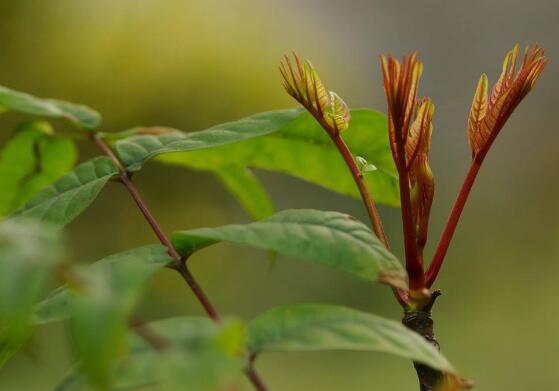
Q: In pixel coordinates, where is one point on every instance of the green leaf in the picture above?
(292, 143)
(32, 160)
(199, 355)
(247, 188)
(108, 292)
(142, 263)
(313, 327)
(29, 251)
(135, 151)
(301, 148)
(68, 197)
(331, 238)
(364, 165)
(80, 115)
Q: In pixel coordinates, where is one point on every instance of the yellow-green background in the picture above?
(191, 64)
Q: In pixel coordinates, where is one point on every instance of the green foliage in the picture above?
(135, 151)
(114, 350)
(196, 354)
(68, 197)
(29, 252)
(109, 292)
(32, 160)
(303, 149)
(81, 116)
(331, 238)
(292, 143)
(246, 187)
(129, 269)
(312, 327)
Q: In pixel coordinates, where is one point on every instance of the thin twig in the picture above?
(147, 334)
(365, 195)
(179, 263)
(450, 228)
(369, 203)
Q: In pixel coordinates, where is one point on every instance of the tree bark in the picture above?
(422, 323)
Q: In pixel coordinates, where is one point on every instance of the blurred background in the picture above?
(192, 64)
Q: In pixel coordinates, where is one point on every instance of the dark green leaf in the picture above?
(135, 151)
(141, 264)
(29, 251)
(312, 327)
(68, 197)
(303, 149)
(18, 101)
(335, 239)
(32, 160)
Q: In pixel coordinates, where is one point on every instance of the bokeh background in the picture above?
(191, 64)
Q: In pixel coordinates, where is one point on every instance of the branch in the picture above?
(450, 228)
(369, 203)
(147, 334)
(365, 195)
(179, 264)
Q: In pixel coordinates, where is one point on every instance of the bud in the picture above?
(302, 82)
(422, 182)
(410, 127)
(400, 85)
(488, 115)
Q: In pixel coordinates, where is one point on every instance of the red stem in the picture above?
(365, 195)
(413, 265)
(369, 203)
(450, 228)
(251, 373)
(179, 265)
